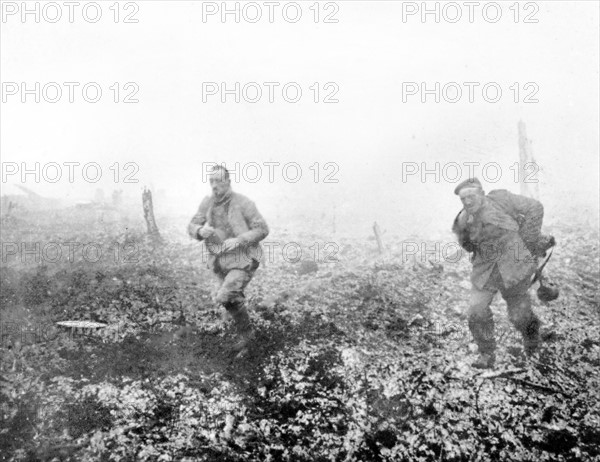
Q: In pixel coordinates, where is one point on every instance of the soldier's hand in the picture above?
(230, 244)
(206, 231)
(543, 244)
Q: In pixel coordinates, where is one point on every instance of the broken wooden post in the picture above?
(528, 169)
(117, 198)
(378, 237)
(149, 214)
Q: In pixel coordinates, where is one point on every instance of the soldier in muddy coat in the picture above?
(503, 232)
(232, 227)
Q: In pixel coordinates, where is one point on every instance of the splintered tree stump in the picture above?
(149, 214)
(378, 237)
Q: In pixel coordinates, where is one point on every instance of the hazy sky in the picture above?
(367, 137)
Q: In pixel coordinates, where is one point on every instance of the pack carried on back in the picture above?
(542, 243)
(538, 243)
(529, 226)
(500, 197)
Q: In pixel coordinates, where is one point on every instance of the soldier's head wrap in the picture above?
(471, 183)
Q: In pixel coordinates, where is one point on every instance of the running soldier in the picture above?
(232, 228)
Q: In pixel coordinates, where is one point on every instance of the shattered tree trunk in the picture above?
(378, 237)
(528, 169)
(149, 214)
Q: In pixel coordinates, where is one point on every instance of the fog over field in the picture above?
(347, 305)
(178, 55)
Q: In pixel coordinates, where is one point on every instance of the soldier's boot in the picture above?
(244, 328)
(482, 330)
(531, 336)
(484, 361)
(524, 320)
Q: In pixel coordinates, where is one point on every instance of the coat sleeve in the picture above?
(199, 219)
(257, 225)
(460, 228)
(531, 213)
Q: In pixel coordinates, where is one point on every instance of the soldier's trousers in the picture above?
(481, 321)
(231, 285)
